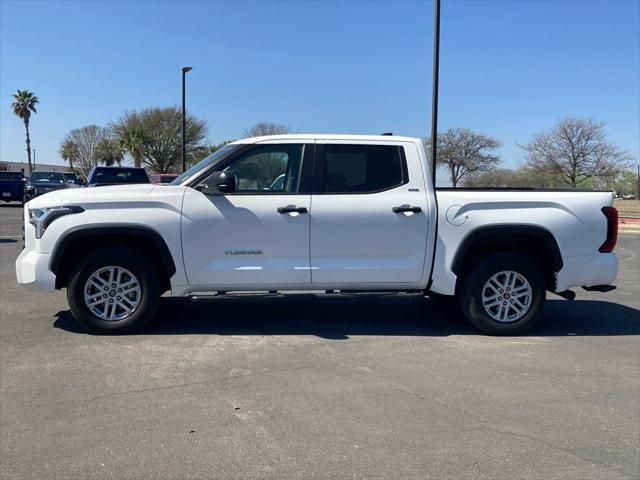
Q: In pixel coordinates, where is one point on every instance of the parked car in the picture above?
(12, 185)
(163, 178)
(353, 213)
(628, 196)
(44, 182)
(104, 176)
(73, 181)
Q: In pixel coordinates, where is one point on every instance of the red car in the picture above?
(163, 178)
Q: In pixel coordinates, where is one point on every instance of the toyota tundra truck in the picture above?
(322, 213)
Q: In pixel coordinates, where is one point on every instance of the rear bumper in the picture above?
(32, 271)
(600, 269)
(12, 197)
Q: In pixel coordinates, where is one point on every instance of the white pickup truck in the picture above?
(316, 212)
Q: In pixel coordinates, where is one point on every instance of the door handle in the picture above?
(292, 209)
(406, 208)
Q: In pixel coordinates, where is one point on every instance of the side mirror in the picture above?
(219, 183)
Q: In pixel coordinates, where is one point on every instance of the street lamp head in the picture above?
(186, 69)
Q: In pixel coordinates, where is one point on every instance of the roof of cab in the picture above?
(312, 137)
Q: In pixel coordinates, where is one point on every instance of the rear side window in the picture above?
(362, 168)
(10, 176)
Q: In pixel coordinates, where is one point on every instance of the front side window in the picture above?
(362, 168)
(268, 169)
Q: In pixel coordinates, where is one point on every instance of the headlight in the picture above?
(41, 218)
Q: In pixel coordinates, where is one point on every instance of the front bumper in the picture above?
(32, 271)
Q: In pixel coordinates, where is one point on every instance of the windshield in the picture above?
(120, 175)
(10, 176)
(47, 177)
(205, 162)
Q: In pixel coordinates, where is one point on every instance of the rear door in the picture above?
(369, 220)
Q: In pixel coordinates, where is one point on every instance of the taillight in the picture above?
(612, 229)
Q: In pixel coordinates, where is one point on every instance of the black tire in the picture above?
(478, 275)
(139, 266)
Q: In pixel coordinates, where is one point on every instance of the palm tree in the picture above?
(132, 140)
(24, 103)
(69, 151)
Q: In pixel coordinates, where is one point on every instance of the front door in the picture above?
(370, 215)
(258, 235)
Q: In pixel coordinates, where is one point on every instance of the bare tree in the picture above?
(81, 147)
(575, 150)
(464, 152)
(265, 167)
(266, 128)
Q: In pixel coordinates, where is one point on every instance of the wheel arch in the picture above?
(535, 241)
(82, 239)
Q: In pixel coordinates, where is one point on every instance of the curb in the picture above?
(628, 228)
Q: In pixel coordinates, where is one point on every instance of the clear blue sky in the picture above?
(509, 68)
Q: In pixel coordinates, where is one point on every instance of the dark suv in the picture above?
(103, 176)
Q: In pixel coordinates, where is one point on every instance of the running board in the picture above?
(196, 296)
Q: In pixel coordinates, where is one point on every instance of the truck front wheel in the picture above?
(502, 294)
(113, 290)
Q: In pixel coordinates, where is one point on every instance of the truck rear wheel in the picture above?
(503, 294)
(113, 290)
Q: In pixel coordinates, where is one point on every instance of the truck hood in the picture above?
(82, 196)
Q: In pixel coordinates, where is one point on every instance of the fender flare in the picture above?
(504, 231)
(104, 230)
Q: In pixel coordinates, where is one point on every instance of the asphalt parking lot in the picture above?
(319, 387)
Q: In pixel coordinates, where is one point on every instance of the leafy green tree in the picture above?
(622, 182)
(132, 141)
(109, 151)
(506, 177)
(158, 137)
(24, 104)
(204, 151)
(69, 151)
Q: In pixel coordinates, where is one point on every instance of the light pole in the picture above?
(434, 92)
(184, 119)
(33, 150)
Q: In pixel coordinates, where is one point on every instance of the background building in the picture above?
(22, 166)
